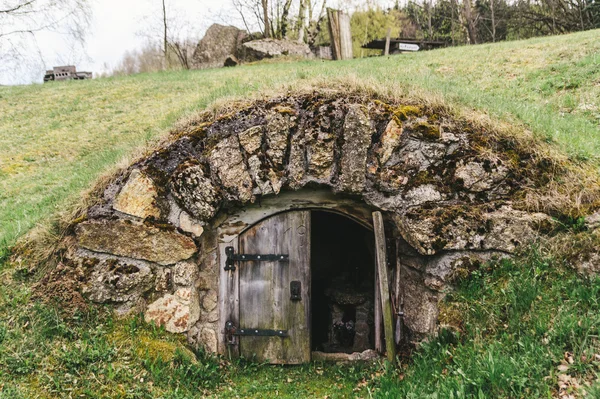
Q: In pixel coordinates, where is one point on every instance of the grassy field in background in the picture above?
(523, 328)
(55, 139)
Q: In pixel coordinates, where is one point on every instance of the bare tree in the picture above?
(251, 12)
(165, 45)
(172, 31)
(284, 18)
(22, 21)
(470, 21)
(301, 19)
(315, 24)
(147, 59)
(429, 8)
(265, 7)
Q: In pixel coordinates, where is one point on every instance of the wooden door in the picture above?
(265, 297)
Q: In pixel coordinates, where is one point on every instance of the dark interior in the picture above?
(342, 290)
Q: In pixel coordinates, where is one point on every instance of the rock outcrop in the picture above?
(256, 50)
(229, 46)
(218, 44)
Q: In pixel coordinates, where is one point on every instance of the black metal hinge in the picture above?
(232, 330)
(232, 257)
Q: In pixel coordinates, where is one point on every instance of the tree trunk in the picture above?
(301, 19)
(430, 28)
(165, 33)
(493, 21)
(265, 6)
(452, 34)
(284, 18)
(316, 27)
(470, 21)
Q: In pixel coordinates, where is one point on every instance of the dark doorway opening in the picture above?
(342, 287)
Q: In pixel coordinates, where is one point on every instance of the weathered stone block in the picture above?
(117, 280)
(263, 185)
(209, 301)
(185, 273)
(138, 196)
(390, 139)
(277, 134)
(137, 241)
(296, 169)
(251, 139)
(195, 192)
(319, 155)
(189, 225)
(447, 228)
(420, 306)
(208, 337)
(227, 161)
(178, 312)
(357, 138)
(422, 194)
(163, 278)
(481, 176)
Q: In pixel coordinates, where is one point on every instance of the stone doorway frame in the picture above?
(240, 219)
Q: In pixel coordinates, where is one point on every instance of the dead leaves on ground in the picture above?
(572, 386)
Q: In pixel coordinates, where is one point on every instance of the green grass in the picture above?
(516, 319)
(56, 139)
(518, 322)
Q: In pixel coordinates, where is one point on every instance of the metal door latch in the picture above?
(296, 290)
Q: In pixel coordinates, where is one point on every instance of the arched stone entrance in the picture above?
(451, 195)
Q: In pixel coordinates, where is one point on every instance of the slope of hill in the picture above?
(528, 325)
(57, 138)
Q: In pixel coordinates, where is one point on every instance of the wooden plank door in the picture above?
(264, 289)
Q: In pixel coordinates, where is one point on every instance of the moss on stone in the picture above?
(405, 111)
(427, 130)
(80, 219)
(284, 110)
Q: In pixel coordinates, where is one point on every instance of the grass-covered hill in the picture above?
(525, 328)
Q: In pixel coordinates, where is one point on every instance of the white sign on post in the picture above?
(408, 47)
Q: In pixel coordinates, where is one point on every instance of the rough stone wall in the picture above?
(449, 192)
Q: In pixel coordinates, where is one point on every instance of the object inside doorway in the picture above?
(343, 280)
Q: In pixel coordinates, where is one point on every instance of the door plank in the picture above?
(384, 288)
(264, 289)
(378, 317)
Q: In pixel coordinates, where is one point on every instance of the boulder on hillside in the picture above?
(219, 43)
(256, 50)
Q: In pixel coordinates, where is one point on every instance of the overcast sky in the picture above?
(115, 29)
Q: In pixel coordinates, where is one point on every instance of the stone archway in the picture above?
(451, 193)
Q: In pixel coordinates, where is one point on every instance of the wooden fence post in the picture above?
(340, 34)
(387, 42)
